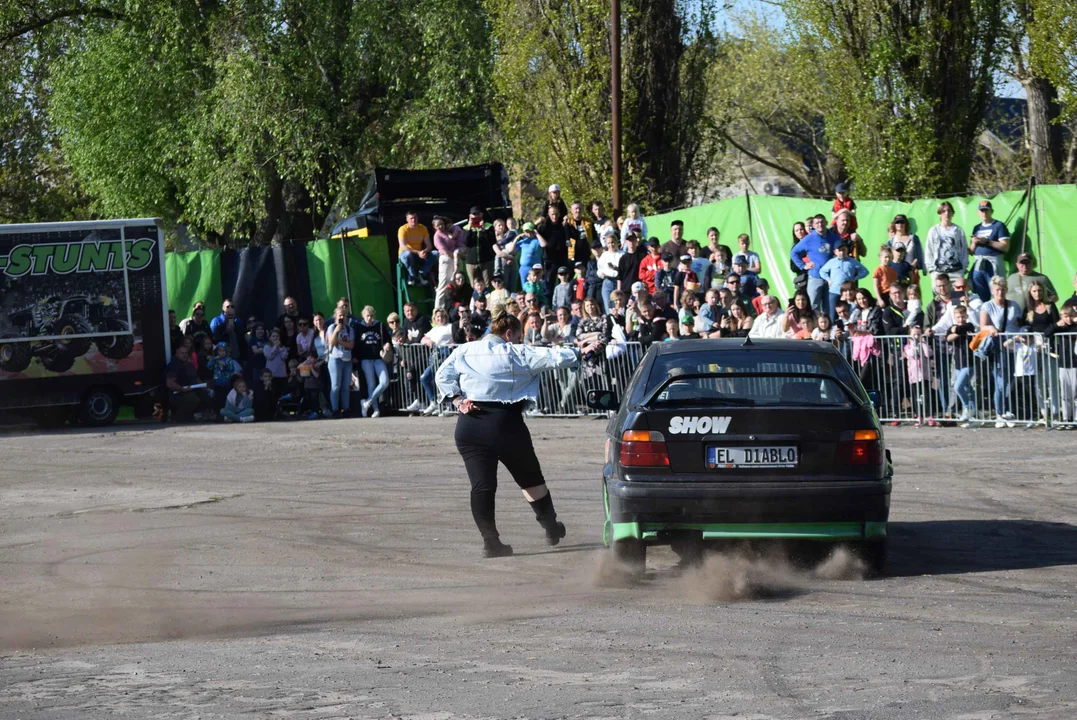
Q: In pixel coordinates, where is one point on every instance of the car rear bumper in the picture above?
(678, 504)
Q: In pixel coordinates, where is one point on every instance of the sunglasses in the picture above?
(302, 324)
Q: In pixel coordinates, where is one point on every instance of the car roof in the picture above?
(710, 345)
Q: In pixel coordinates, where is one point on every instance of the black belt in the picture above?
(493, 405)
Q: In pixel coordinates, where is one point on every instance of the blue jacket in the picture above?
(219, 320)
(836, 271)
(818, 248)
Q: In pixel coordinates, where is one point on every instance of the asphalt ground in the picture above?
(331, 569)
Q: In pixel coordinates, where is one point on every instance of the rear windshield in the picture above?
(789, 387)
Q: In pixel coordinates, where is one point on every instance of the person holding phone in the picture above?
(339, 340)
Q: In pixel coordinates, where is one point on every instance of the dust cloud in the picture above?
(734, 575)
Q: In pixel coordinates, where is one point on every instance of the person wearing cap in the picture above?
(553, 198)
(1020, 281)
(530, 250)
(665, 275)
(633, 222)
(676, 245)
(988, 242)
(810, 254)
(479, 242)
(901, 235)
(628, 268)
(535, 283)
(563, 292)
(748, 280)
(1071, 301)
(906, 275)
(608, 263)
(843, 201)
(684, 281)
(946, 250)
(415, 249)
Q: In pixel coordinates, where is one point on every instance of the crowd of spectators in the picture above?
(575, 276)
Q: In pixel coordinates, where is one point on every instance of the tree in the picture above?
(905, 86)
(35, 182)
(766, 105)
(899, 86)
(250, 121)
(552, 87)
(1052, 55)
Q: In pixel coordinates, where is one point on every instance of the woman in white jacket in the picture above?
(607, 269)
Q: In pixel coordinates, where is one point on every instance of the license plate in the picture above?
(725, 456)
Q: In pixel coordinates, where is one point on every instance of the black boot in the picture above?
(492, 547)
(482, 509)
(547, 518)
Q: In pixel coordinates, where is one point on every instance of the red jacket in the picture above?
(849, 205)
(647, 268)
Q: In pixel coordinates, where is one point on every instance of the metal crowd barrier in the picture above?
(1030, 381)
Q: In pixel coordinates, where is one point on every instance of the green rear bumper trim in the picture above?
(792, 531)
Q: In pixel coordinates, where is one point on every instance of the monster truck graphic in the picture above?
(70, 325)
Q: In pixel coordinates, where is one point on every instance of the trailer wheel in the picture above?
(58, 360)
(99, 407)
(14, 356)
(71, 325)
(115, 347)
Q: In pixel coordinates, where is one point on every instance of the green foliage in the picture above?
(904, 84)
(765, 103)
(251, 121)
(35, 183)
(1053, 42)
(900, 88)
(552, 88)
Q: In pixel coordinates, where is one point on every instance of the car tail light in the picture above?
(643, 448)
(860, 447)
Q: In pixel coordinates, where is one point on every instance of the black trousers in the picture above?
(487, 435)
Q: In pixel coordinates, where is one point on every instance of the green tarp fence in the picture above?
(768, 220)
(193, 276)
(357, 268)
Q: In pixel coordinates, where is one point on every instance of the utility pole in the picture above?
(615, 97)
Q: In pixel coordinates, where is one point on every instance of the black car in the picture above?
(744, 439)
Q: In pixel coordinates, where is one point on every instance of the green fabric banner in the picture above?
(368, 274)
(325, 266)
(193, 276)
(363, 279)
(768, 220)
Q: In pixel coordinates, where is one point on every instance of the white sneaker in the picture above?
(376, 414)
(226, 418)
(416, 406)
(247, 418)
(364, 407)
(1000, 423)
(430, 409)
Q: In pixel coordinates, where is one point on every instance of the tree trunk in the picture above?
(1044, 134)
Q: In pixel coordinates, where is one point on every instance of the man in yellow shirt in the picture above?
(417, 253)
